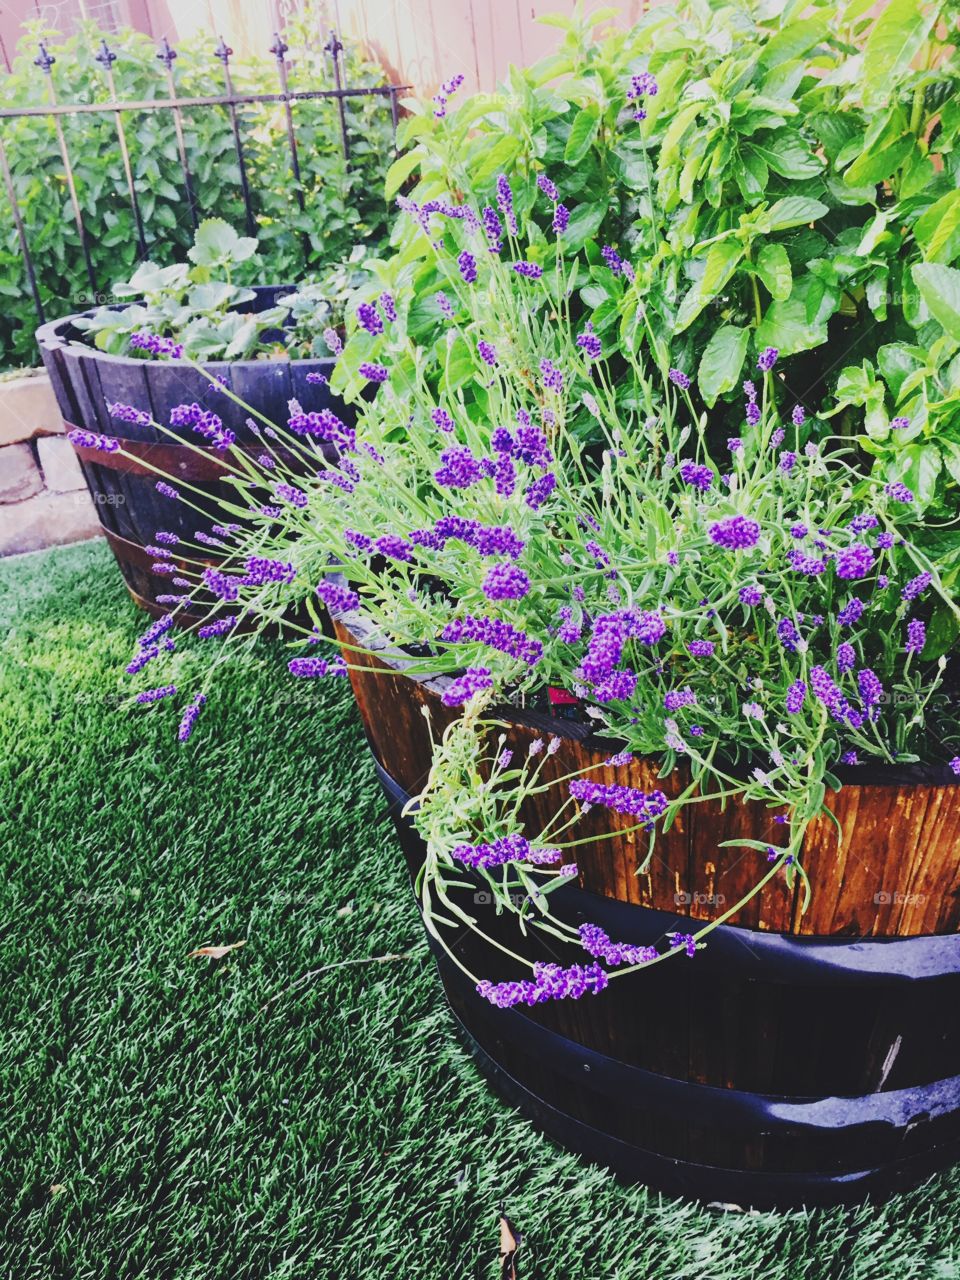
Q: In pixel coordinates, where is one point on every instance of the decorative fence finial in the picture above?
(105, 56)
(333, 46)
(45, 59)
(278, 48)
(223, 51)
(166, 54)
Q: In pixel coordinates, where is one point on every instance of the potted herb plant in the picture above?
(667, 711)
(269, 345)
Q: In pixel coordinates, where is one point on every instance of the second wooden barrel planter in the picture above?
(129, 506)
(801, 1058)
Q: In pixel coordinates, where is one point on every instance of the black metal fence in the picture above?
(228, 101)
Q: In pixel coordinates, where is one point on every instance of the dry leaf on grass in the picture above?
(217, 953)
(510, 1239)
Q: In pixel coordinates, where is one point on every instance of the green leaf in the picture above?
(940, 289)
(896, 38)
(788, 155)
(918, 466)
(722, 361)
(582, 134)
(793, 211)
(585, 221)
(876, 166)
(800, 322)
(722, 260)
(938, 230)
(794, 41)
(399, 171)
(773, 268)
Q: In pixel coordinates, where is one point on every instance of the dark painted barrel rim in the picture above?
(53, 336)
(891, 1114)
(865, 775)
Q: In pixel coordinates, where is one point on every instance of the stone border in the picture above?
(44, 500)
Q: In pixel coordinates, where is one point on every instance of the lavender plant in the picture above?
(754, 608)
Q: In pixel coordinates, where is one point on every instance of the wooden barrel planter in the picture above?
(124, 488)
(801, 1058)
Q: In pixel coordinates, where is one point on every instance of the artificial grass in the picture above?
(159, 1122)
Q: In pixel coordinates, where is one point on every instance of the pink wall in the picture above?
(422, 42)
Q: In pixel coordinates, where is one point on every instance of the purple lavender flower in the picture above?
(735, 444)
(127, 413)
(505, 582)
(628, 800)
(955, 765)
(468, 267)
(796, 695)
(92, 440)
(550, 982)
(505, 202)
(445, 305)
(289, 493)
(885, 541)
(679, 379)
(735, 533)
(787, 462)
(155, 345)
(190, 717)
(337, 597)
(332, 339)
(693, 473)
(855, 561)
(798, 416)
(898, 491)
(155, 695)
(701, 648)
(368, 317)
(589, 343)
(441, 419)
(488, 353)
(495, 633)
(552, 376)
(373, 372)
(916, 586)
(387, 306)
(262, 569)
(537, 493)
(561, 219)
(612, 259)
(547, 187)
(395, 548)
(752, 414)
(846, 657)
(870, 686)
(811, 566)
(531, 270)
(171, 539)
(767, 359)
(916, 635)
(492, 229)
(677, 699)
(459, 469)
(826, 691)
(596, 942)
(316, 668)
(750, 596)
(899, 424)
(864, 521)
(463, 688)
(219, 628)
(851, 612)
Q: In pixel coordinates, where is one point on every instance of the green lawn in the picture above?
(158, 1122)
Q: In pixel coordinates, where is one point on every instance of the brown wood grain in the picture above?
(891, 870)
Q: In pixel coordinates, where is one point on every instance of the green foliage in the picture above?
(344, 201)
(793, 184)
(198, 309)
